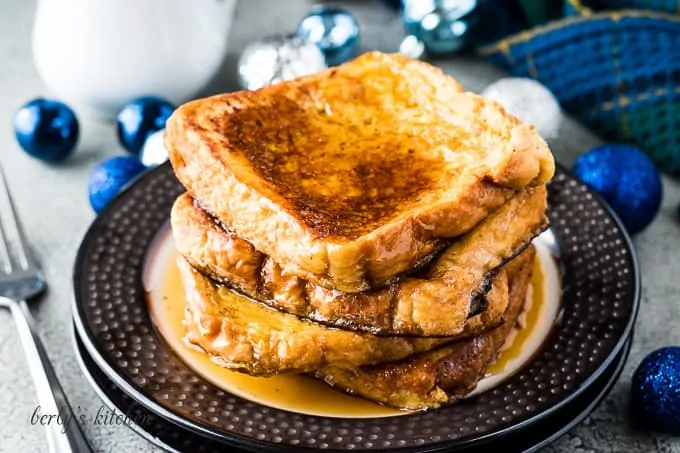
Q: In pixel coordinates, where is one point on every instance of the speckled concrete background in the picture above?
(53, 205)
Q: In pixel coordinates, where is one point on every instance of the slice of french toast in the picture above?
(433, 302)
(248, 336)
(443, 375)
(356, 174)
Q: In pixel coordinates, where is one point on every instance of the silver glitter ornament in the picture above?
(277, 58)
(529, 101)
(153, 152)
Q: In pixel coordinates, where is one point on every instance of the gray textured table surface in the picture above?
(53, 205)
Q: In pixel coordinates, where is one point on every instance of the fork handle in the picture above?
(64, 435)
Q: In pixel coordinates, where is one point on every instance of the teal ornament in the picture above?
(109, 177)
(441, 26)
(154, 152)
(141, 118)
(655, 390)
(334, 31)
(449, 26)
(46, 129)
(627, 179)
(626, 96)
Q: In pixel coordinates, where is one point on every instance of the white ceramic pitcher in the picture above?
(98, 54)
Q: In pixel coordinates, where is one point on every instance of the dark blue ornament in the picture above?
(627, 179)
(46, 129)
(141, 118)
(446, 26)
(109, 177)
(655, 390)
(334, 30)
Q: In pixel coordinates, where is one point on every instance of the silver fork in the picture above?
(21, 279)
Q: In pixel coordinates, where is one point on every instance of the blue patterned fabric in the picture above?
(618, 72)
(583, 7)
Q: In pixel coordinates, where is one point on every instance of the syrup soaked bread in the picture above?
(443, 375)
(434, 302)
(247, 336)
(354, 175)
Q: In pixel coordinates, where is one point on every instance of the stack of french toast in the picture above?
(369, 225)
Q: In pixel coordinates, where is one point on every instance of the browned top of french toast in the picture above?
(332, 193)
(344, 153)
(322, 171)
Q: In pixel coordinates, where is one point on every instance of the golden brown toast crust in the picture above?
(443, 375)
(248, 336)
(434, 302)
(355, 174)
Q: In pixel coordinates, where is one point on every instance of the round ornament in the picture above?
(46, 129)
(655, 390)
(627, 179)
(447, 26)
(529, 101)
(154, 152)
(442, 27)
(141, 118)
(334, 30)
(109, 177)
(277, 58)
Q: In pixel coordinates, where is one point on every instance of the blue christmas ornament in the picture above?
(141, 118)
(627, 179)
(109, 177)
(447, 26)
(655, 390)
(441, 28)
(46, 129)
(334, 30)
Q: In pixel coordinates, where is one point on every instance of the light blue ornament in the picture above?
(334, 30)
(448, 26)
(441, 25)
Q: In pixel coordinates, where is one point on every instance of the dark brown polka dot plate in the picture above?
(173, 439)
(601, 293)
